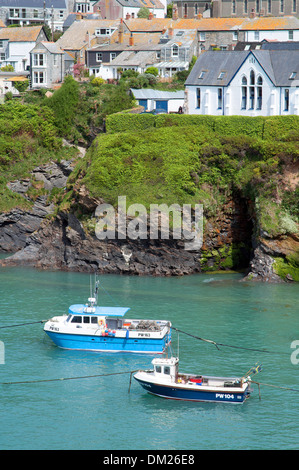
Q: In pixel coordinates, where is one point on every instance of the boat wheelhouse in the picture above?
(164, 380)
(94, 328)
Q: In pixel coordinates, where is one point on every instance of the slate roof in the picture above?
(33, 3)
(145, 42)
(149, 93)
(74, 37)
(132, 58)
(142, 3)
(24, 33)
(270, 23)
(214, 24)
(278, 66)
(50, 46)
(280, 46)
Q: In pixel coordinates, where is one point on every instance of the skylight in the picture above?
(221, 75)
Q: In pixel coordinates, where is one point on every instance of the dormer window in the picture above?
(104, 31)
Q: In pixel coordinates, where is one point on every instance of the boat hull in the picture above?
(198, 394)
(110, 343)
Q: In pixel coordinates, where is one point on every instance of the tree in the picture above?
(7, 68)
(21, 86)
(143, 12)
(153, 71)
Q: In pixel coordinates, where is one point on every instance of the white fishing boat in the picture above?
(96, 328)
(164, 380)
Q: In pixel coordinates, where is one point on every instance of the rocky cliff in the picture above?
(244, 228)
(39, 238)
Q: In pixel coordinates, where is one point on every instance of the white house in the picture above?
(115, 9)
(248, 83)
(16, 44)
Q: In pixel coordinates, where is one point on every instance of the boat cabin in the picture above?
(93, 315)
(166, 369)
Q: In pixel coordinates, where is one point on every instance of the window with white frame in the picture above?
(39, 77)
(99, 56)
(104, 31)
(252, 91)
(175, 50)
(202, 36)
(39, 60)
(198, 98)
(259, 93)
(112, 56)
(244, 93)
(291, 35)
(286, 99)
(294, 7)
(220, 98)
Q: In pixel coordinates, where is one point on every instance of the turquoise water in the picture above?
(99, 413)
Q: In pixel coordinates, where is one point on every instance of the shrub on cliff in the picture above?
(64, 104)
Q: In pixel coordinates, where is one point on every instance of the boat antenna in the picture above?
(96, 288)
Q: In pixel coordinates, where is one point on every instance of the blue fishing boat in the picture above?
(94, 328)
(165, 381)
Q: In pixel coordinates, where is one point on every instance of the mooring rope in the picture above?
(23, 324)
(70, 378)
(227, 345)
(275, 386)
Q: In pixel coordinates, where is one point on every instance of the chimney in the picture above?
(121, 32)
(170, 31)
(87, 38)
(175, 14)
(151, 15)
(131, 40)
